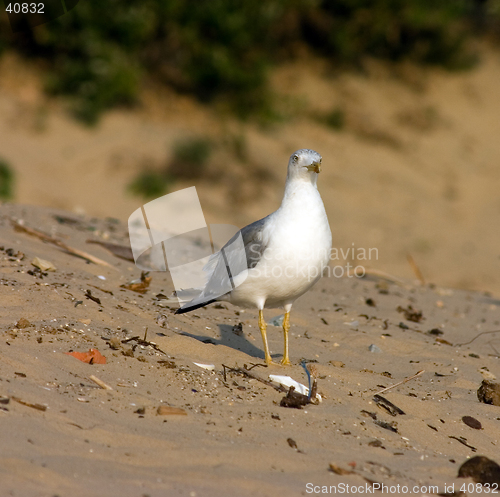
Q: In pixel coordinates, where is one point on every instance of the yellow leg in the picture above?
(286, 328)
(263, 328)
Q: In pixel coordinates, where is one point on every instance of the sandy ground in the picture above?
(234, 440)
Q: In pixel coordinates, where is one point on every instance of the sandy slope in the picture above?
(415, 170)
(233, 440)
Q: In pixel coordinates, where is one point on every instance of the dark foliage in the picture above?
(222, 49)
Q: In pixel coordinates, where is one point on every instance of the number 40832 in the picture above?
(25, 8)
(479, 488)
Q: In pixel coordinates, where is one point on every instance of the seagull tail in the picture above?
(191, 306)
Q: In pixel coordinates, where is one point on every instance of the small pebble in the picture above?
(115, 343)
(23, 323)
(167, 410)
(472, 422)
(337, 364)
(489, 393)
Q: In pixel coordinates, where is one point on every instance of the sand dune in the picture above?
(64, 435)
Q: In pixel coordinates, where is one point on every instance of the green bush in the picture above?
(221, 50)
(149, 184)
(189, 161)
(190, 158)
(426, 31)
(335, 119)
(6, 181)
(94, 53)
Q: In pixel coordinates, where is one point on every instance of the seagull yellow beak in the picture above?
(315, 166)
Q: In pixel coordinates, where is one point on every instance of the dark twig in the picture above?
(477, 336)
(415, 269)
(89, 295)
(401, 382)
(39, 407)
(391, 408)
(254, 366)
(144, 343)
(463, 441)
(58, 243)
(101, 289)
(247, 372)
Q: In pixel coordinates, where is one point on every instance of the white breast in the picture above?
(297, 252)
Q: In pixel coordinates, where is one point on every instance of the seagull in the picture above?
(286, 252)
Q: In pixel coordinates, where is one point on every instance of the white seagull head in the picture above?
(305, 165)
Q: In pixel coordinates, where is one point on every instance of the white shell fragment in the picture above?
(353, 324)
(287, 381)
(209, 367)
(43, 265)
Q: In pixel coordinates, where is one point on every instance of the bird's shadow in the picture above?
(229, 338)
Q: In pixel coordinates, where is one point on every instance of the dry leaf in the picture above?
(340, 471)
(93, 356)
(139, 286)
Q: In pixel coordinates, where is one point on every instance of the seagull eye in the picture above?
(295, 158)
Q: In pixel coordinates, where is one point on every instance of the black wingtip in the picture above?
(189, 308)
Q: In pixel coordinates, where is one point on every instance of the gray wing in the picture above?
(254, 241)
(231, 255)
(243, 251)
